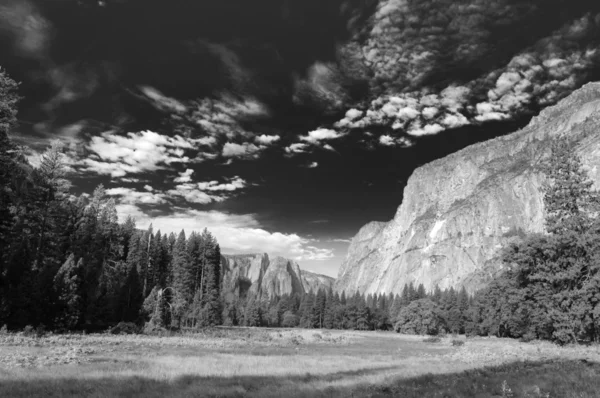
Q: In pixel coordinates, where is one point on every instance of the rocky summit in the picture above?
(459, 211)
(266, 276)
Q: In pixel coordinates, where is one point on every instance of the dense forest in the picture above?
(67, 263)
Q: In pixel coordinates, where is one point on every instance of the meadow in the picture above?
(249, 362)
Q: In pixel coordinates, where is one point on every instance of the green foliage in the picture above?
(552, 288)
(289, 320)
(68, 284)
(420, 317)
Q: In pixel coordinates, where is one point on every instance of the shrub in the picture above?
(29, 331)
(506, 391)
(4, 329)
(296, 340)
(527, 337)
(125, 328)
(432, 339)
(317, 336)
(154, 329)
(457, 343)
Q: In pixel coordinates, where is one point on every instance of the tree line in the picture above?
(408, 312)
(67, 263)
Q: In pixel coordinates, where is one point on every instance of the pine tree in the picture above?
(182, 279)
(318, 309)
(211, 283)
(421, 293)
(569, 199)
(68, 284)
(304, 312)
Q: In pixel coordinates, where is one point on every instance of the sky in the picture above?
(281, 126)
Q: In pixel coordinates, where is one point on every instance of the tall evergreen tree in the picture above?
(68, 284)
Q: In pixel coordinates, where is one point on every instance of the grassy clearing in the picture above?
(291, 363)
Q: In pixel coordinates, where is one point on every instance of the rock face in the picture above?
(457, 212)
(261, 275)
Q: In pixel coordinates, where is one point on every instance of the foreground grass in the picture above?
(291, 363)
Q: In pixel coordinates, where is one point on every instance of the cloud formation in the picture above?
(242, 151)
(424, 56)
(222, 116)
(132, 197)
(206, 191)
(118, 155)
(236, 234)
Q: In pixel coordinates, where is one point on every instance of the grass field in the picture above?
(291, 363)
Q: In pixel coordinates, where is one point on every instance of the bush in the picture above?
(153, 329)
(432, 339)
(125, 328)
(296, 340)
(527, 337)
(29, 331)
(457, 343)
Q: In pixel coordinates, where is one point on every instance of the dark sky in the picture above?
(282, 126)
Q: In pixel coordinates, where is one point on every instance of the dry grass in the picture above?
(290, 363)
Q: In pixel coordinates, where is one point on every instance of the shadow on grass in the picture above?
(524, 379)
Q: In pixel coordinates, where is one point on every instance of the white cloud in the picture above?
(185, 176)
(234, 184)
(313, 165)
(192, 194)
(236, 234)
(245, 150)
(314, 137)
(134, 153)
(408, 113)
(454, 120)
(353, 114)
(130, 196)
(196, 192)
(429, 129)
(387, 140)
(161, 101)
(223, 116)
(267, 139)
(429, 112)
(296, 148)
(207, 141)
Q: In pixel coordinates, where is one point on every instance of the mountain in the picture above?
(458, 211)
(266, 276)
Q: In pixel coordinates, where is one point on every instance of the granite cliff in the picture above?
(267, 276)
(458, 211)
